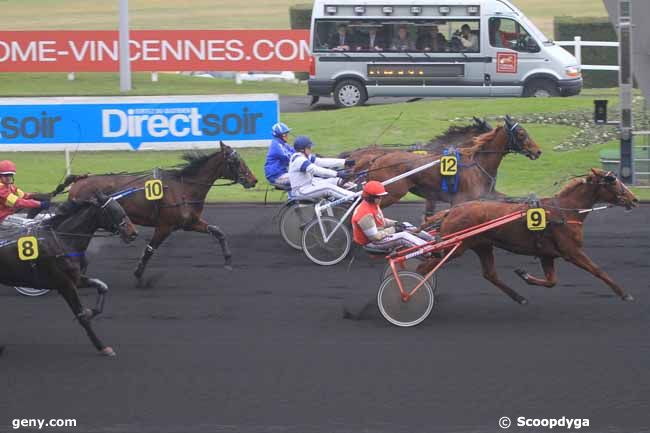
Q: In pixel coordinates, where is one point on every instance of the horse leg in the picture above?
(102, 290)
(548, 265)
(159, 236)
(581, 260)
(429, 208)
(203, 227)
(71, 296)
(486, 255)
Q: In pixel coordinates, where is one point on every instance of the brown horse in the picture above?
(183, 199)
(456, 136)
(476, 175)
(562, 237)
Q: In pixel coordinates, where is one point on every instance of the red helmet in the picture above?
(7, 167)
(374, 188)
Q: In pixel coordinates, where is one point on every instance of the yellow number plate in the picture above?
(153, 189)
(27, 248)
(448, 166)
(536, 219)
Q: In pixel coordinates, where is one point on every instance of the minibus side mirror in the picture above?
(532, 46)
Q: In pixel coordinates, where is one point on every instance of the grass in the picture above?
(105, 84)
(334, 131)
(211, 14)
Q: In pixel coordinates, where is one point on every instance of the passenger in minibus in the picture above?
(433, 41)
(468, 39)
(341, 40)
(402, 42)
(374, 41)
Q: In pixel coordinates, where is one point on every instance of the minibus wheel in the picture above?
(541, 89)
(350, 93)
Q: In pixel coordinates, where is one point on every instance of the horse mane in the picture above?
(64, 211)
(196, 159)
(479, 141)
(571, 185)
(440, 142)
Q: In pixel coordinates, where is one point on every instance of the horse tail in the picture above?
(67, 182)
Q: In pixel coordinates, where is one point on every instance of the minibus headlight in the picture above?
(444, 10)
(573, 71)
(330, 10)
(359, 10)
(387, 10)
(416, 10)
(472, 10)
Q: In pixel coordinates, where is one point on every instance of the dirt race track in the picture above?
(265, 349)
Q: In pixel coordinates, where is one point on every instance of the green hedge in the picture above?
(300, 18)
(591, 29)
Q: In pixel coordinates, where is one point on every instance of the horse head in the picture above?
(611, 189)
(519, 141)
(113, 218)
(236, 169)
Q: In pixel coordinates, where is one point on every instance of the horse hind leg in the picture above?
(548, 266)
(486, 255)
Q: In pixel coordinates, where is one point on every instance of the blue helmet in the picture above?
(302, 142)
(279, 129)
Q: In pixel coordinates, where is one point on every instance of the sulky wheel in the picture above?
(293, 221)
(28, 291)
(411, 266)
(332, 251)
(405, 313)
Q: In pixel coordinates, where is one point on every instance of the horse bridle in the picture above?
(116, 228)
(514, 145)
(610, 179)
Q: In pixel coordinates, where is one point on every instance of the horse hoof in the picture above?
(523, 301)
(522, 273)
(227, 267)
(108, 351)
(87, 313)
(628, 298)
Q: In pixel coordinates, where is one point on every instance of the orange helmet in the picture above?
(7, 167)
(374, 189)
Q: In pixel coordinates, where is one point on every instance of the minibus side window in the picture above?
(465, 36)
(508, 33)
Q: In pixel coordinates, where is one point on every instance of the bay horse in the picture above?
(454, 136)
(183, 199)
(562, 237)
(61, 243)
(477, 172)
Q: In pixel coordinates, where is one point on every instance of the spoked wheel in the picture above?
(330, 252)
(411, 266)
(28, 291)
(293, 221)
(410, 312)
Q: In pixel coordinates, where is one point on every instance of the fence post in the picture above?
(578, 49)
(154, 77)
(68, 168)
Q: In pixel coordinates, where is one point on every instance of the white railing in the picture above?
(578, 43)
